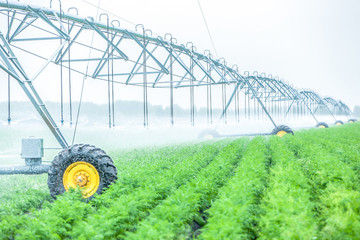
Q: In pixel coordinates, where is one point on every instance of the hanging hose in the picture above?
(171, 87)
(208, 90)
(112, 76)
(61, 76)
(192, 102)
(9, 102)
(145, 94)
(69, 71)
(69, 65)
(146, 109)
(258, 110)
(236, 105)
(108, 67)
(254, 110)
(171, 92)
(83, 82)
(238, 100)
(191, 95)
(223, 88)
(112, 90)
(211, 108)
(249, 107)
(245, 105)
(207, 96)
(61, 90)
(9, 88)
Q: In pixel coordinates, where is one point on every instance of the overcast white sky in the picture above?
(309, 43)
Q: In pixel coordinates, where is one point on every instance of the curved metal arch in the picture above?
(153, 45)
(133, 50)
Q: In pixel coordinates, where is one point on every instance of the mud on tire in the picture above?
(352, 120)
(339, 122)
(281, 128)
(85, 153)
(322, 125)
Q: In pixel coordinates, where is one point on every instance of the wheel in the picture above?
(338, 123)
(281, 130)
(352, 120)
(83, 166)
(322, 125)
(208, 134)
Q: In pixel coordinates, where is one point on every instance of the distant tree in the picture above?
(356, 111)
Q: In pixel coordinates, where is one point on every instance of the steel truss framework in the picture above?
(121, 56)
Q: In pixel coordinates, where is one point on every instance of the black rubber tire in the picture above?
(208, 132)
(81, 152)
(282, 128)
(322, 124)
(339, 122)
(352, 120)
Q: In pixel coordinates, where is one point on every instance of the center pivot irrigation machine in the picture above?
(137, 58)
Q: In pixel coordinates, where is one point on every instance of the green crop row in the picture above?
(287, 208)
(22, 194)
(117, 214)
(305, 186)
(134, 166)
(139, 168)
(235, 214)
(127, 210)
(178, 216)
(31, 191)
(334, 184)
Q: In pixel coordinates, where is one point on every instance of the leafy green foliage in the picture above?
(235, 213)
(286, 203)
(22, 194)
(305, 186)
(334, 183)
(174, 216)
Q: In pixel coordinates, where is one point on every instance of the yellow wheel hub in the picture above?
(338, 124)
(322, 126)
(281, 133)
(83, 175)
(351, 121)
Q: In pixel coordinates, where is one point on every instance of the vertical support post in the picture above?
(171, 91)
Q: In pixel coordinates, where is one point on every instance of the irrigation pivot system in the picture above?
(101, 49)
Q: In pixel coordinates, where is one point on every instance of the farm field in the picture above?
(305, 186)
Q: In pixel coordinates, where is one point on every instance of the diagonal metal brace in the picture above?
(163, 68)
(41, 15)
(96, 29)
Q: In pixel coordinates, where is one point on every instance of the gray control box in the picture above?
(32, 148)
